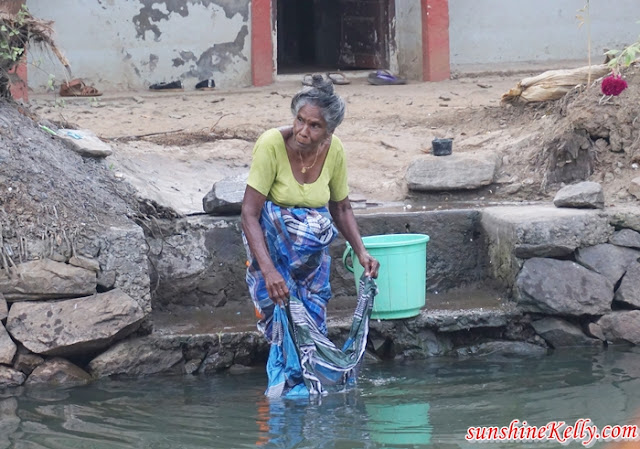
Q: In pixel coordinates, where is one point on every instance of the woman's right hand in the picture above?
(276, 287)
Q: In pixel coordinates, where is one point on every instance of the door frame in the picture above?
(435, 41)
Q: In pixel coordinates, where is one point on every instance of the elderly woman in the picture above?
(296, 171)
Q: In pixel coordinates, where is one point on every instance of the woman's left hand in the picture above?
(370, 264)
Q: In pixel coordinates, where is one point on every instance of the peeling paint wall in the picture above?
(130, 44)
(508, 31)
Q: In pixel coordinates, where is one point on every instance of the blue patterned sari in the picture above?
(302, 358)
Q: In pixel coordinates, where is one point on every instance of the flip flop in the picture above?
(338, 78)
(77, 88)
(209, 84)
(384, 78)
(167, 87)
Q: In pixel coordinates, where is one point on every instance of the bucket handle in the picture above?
(346, 254)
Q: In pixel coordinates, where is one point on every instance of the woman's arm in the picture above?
(346, 223)
(250, 217)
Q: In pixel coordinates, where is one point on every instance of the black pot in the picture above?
(442, 147)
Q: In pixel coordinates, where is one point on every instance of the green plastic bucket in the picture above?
(402, 278)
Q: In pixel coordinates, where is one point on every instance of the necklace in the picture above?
(305, 169)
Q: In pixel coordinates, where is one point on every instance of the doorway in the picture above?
(324, 35)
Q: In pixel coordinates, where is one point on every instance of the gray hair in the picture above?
(321, 95)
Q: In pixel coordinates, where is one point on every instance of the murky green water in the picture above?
(427, 404)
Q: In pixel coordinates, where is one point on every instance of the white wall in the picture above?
(408, 35)
(129, 44)
(507, 31)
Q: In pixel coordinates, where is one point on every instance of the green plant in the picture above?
(624, 57)
(12, 38)
(51, 82)
(16, 32)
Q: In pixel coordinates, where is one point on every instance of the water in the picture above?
(426, 404)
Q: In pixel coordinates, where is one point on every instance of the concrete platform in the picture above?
(471, 305)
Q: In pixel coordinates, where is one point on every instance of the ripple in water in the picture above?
(427, 404)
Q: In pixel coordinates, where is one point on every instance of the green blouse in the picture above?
(271, 174)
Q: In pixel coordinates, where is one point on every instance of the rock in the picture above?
(629, 290)
(558, 333)
(609, 260)
(453, 321)
(86, 263)
(4, 309)
(10, 377)
(84, 142)
(539, 231)
(634, 187)
(225, 198)
(192, 366)
(501, 348)
(198, 261)
(58, 371)
(462, 171)
(122, 254)
(218, 361)
(562, 287)
(626, 237)
(624, 217)
(585, 194)
(621, 327)
(7, 347)
(27, 362)
(107, 279)
(46, 279)
(74, 326)
(596, 331)
(140, 356)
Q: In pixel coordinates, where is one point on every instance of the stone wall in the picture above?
(200, 261)
(574, 277)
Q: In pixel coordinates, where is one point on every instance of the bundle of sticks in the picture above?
(553, 84)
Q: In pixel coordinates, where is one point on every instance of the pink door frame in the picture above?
(435, 41)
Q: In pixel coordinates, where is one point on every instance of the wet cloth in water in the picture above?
(297, 240)
(302, 359)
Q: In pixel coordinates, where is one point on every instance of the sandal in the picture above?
(209, 84)
(77, 88)
(172, 86)
(384, 77)
(338, 78)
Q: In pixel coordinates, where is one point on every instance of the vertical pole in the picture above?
(435, 40)
(261, 43)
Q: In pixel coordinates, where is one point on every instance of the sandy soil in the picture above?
(174, 146)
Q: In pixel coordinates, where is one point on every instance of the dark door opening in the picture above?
(322, 35)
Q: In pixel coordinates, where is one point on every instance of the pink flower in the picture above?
(613, 85)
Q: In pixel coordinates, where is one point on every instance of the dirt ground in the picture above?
(174, 146)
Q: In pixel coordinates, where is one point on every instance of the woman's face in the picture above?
(309, 127)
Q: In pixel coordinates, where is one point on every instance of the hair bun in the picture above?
(320, 82)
